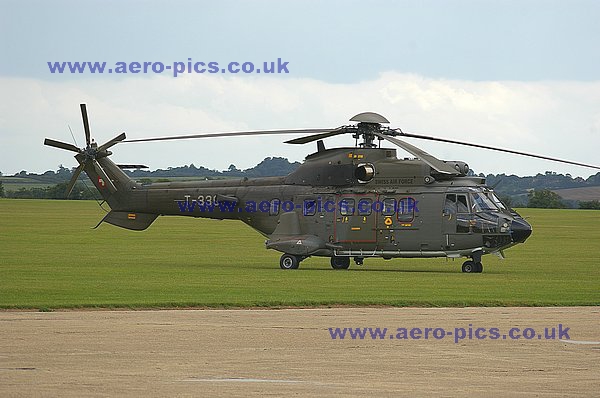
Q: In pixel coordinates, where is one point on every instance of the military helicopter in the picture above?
(351, 202)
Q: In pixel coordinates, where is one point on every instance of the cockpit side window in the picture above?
(450, 204)
(462, 204)
(456, 203)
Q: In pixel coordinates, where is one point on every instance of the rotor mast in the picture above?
(369, 123)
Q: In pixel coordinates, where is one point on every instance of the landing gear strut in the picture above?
(289, 261)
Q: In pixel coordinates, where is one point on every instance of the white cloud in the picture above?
(560, 119)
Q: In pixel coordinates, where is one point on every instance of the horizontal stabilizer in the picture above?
(129, 220)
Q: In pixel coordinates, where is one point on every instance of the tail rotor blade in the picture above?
(86, 124)
(61, 145)
(73, 180)
(104, 176)
(112, 142)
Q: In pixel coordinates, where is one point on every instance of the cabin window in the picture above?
(389, 206)
(274, 207)
(346, 207)
(406, 210)
(365, 207)
(310, 207)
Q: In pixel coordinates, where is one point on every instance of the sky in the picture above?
(522, 75)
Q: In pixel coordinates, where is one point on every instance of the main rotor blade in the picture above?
(232, 134)
(86, 125)
(320, 136)
(73, 180)
(112, 142)
(430, 160)
(104, 176)
(424, 137)
(61, 145)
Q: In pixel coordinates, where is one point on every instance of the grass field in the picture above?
(51, 258)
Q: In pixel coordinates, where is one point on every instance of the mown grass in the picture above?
(51, 258)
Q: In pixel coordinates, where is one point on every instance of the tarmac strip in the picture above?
(291, 351)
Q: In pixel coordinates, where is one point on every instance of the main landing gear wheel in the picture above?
(289, 261)
(472, 267)
(340, 262)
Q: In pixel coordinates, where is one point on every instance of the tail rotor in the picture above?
(89, 154)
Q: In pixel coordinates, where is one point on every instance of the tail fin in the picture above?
(112, 183)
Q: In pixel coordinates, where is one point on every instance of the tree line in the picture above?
(543, 198)
(515, 191)
(57, 191)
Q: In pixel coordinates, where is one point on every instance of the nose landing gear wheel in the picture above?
(472, 267)
(289, 261)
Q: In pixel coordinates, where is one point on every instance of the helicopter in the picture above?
(345, 203)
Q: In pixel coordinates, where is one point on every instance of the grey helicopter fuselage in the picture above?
(342, 202)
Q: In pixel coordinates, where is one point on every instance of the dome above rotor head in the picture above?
(369, 117)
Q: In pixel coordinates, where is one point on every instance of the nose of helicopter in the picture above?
(520, 230)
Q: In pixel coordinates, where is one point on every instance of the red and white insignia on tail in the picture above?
(101, 182)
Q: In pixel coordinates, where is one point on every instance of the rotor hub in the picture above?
(366, 131)
(369, 123)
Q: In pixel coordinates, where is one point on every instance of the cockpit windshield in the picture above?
(480, 202)
(496, 200)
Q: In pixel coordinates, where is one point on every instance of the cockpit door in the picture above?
(455, 217)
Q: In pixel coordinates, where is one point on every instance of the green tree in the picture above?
(590, 205)
(545, 199)
(1, 190)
